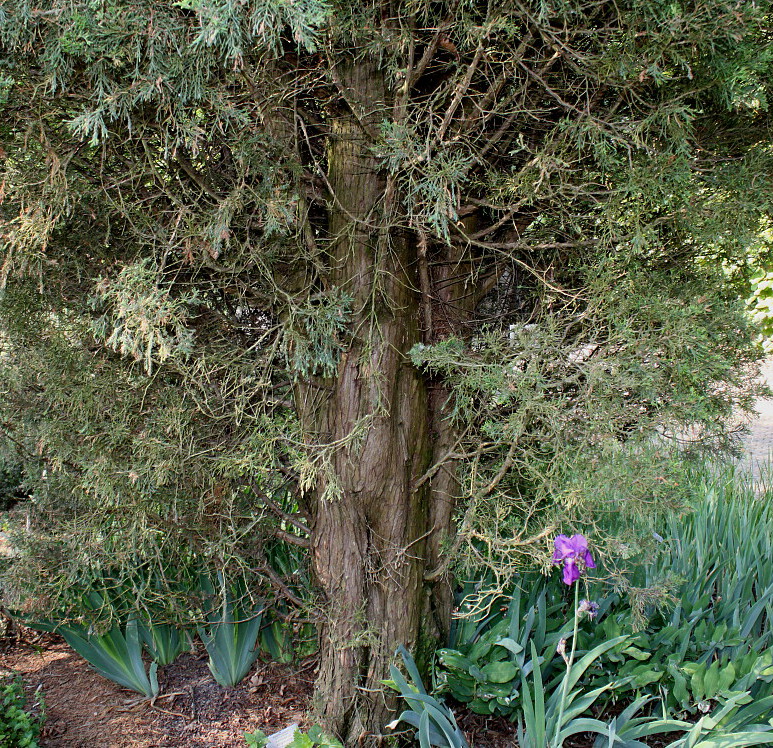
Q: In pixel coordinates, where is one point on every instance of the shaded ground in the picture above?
(86, 711)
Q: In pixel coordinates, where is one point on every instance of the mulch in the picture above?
(84, 710)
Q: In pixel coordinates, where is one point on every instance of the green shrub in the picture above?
(19, 727)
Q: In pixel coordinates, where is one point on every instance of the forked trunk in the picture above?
(370, 522)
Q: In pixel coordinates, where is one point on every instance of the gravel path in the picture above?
(759, 442)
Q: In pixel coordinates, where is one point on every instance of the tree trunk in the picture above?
(370, 522)
(454, 296)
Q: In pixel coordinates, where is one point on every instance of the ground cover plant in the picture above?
(19, 725)
(408, 287)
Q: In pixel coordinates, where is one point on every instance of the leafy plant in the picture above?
(484, 670)
(492, 651)
(163, 641)
(716, 638)
(733, 724)
(231, 639)
(276, 639)
(282, 639)
(550, 722)
(709, 649)
(739, 721)
(432, 719)
(116, 654)
(19, 727)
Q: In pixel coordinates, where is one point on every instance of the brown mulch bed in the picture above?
(83, 710)
(486, 732)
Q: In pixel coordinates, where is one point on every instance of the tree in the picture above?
(389, 265)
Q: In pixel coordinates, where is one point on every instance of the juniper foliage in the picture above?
(425, 280)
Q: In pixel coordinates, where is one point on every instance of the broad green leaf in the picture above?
(500, 672)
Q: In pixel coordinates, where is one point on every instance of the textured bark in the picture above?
(370, 523)
(454, 297)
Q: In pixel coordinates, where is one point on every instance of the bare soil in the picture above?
(84, 710)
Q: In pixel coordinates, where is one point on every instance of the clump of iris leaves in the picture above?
(686, 653)
(233, 625)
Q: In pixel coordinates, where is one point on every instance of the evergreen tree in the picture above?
(426, 279)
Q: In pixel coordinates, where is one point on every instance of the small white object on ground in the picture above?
(282, 738)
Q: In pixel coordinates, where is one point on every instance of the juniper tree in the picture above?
(444, 274)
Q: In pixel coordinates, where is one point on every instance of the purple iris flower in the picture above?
(573, 553)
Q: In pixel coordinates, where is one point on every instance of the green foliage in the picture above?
(759, 288)
(196, 240)
(116, 654)
(164, 635)
(739, 721)
(549, 722)
(761, 303)
(555, 410)
(433, 721)
(163, 641)
(560, 186)
(716, 638)
(276, 639)
(312, 341)
(730, 724)
(230, 636)
(231, 629)
(141, 319)
(704, 648)
(538, 700)
(19, 727)
(492, 651)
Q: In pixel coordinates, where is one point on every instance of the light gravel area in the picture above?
(759, 442)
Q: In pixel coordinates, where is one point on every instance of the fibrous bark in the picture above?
(370, 520)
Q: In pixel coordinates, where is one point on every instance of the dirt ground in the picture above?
(84, 710)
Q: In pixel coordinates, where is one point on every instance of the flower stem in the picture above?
(569, 663)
